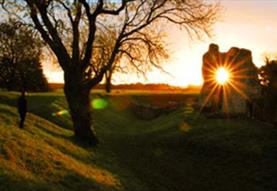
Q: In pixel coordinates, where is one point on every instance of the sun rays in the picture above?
(226, 77)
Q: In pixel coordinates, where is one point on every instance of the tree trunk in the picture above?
(79, 105)
(108, 84)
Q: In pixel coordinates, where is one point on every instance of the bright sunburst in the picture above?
(222, 76)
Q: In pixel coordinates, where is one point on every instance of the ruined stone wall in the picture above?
(210, 60)
(236, 96)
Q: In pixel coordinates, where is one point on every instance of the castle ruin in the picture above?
(238, 94)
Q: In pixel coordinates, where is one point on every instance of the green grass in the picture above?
(173, 152)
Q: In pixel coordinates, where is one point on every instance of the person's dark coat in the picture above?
(22, 109)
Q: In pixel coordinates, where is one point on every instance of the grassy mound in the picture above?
(43, 156)
(176, 151)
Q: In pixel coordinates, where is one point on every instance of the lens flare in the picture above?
(222, 76)
(61, 112)
(99, 103)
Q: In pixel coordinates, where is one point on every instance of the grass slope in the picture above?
(174, 152)
(43, 156)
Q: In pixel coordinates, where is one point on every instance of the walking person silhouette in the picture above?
(22, 108)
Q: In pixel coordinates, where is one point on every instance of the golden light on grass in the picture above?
(49, 156)
(222, 76)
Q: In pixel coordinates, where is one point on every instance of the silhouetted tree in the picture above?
(20, 49)
(268, 79)
(143, 54)
(136, 23)
(104, 44)
(268, 73)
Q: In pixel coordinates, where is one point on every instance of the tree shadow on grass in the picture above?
(200, 160)
(55, 134)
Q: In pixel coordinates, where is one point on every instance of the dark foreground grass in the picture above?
(173, 152)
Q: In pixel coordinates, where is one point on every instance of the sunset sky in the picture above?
(250, 24)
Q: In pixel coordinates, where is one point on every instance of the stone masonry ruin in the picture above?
(238, 95)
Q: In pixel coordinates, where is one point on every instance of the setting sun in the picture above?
(222, 76)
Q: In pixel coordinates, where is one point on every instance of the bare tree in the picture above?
(136, 23)
(136, 55)
(103, 49)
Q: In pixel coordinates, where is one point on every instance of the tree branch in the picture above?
(56, 42)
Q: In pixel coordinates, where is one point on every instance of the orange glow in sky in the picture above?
(246, 24)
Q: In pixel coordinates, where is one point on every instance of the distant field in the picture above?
(179, 150)
(134, 89)
(137, 92)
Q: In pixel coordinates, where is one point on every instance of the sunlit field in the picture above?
(177, 149)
